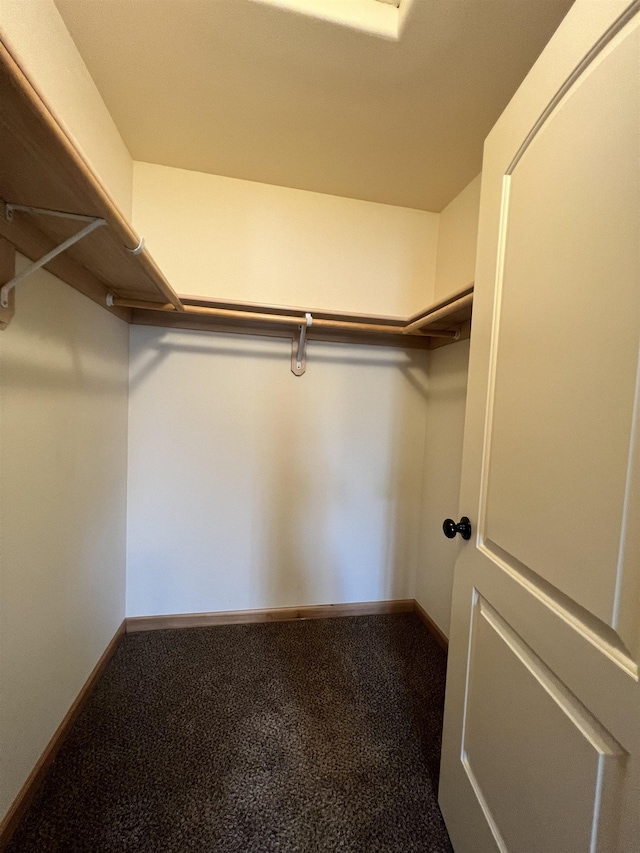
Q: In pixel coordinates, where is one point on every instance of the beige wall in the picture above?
(63, 442)
(447, 384)
(444, 430)
(36, 35)
(457, 240)
(63, 439)
(281, 490)
(234, 239)
(274, 490)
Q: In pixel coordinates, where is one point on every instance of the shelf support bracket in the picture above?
(7, 271)
(92, 223)
(299, 348)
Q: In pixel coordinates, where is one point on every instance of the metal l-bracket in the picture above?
(299, 350)
(93, 223)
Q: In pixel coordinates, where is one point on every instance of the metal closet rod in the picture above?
(416, 327)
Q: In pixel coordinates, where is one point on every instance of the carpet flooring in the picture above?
(295, 737)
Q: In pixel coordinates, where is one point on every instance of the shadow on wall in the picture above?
(342, 521)
(63, 431)
(445, 414)
(310, 486)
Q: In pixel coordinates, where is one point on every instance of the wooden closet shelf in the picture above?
(41, 167)
(442, 323)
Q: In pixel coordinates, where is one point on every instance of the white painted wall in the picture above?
(447, 384)
(39, 40)
(216, 236)
(250, 488)
(63, 440)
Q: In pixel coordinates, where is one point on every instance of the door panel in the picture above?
(525, 739)
(541, 744)
(570, 215)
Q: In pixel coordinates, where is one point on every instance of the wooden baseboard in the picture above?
(277, 614)
(28, 791)
(440, 638)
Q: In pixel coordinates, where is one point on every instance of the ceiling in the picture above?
(386, 109)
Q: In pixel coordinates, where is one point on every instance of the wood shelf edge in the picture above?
(456, 296)
(175, 320)
(253, 318)
(269, 308)
(104, 206)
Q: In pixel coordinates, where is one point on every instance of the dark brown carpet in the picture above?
(297, 737)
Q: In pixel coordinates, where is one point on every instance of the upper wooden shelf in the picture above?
(41, 167)
(444, 322)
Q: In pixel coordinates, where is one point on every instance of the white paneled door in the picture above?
(542, 719)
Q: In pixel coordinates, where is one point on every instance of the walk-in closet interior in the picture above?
(239, 275)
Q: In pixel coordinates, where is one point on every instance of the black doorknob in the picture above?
(463, 527)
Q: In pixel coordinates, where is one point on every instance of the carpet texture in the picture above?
(295, 737)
